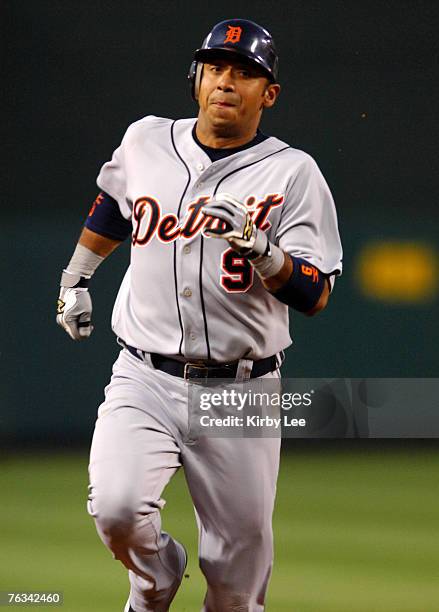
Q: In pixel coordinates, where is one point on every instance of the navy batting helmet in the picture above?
(239, 36)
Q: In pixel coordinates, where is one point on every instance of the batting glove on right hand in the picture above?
(74, 306)
(236, 225)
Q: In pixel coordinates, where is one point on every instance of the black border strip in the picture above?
(203, 309)
(175, 243)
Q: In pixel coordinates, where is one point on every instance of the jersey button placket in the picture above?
(188, 271)
(203, 177)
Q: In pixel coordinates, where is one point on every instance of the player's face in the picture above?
(232, 95)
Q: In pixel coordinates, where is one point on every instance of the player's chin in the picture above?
(226, 113)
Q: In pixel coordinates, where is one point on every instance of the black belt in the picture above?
(196, 371)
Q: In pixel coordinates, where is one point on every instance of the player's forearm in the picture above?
(90, 252)
(98, 244)
(273, 283)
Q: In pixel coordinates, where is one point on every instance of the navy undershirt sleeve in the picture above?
(303, 289)
(106, 219)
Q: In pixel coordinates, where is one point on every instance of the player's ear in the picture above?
(270, 94)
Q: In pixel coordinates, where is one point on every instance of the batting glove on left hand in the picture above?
(237, 226)
(74, 306)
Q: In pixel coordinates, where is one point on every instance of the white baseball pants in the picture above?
(140, 440)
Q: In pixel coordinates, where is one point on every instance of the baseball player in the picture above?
(229, 229)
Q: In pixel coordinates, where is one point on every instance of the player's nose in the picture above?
(225, 80)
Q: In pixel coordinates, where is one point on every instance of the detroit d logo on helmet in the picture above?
(233, 34)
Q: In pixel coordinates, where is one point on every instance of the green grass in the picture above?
(355, 532)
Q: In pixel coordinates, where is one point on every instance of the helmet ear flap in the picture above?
(194, 76)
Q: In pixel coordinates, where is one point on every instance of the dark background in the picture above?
(359, 93)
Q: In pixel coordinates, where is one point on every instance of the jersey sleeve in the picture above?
(308, 225)
(112, 178)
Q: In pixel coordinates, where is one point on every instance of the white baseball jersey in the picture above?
(185, 295)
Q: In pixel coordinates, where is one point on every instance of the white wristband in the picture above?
(269, 265)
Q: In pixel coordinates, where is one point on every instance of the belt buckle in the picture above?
(192, 373)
